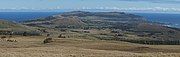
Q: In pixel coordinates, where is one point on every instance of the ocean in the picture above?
(172, 19)
(22, 16)
(167, 18)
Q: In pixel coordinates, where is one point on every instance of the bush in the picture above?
(48, 40)
(153, 42)
(12, 40)
(3, 37)
(24, 33)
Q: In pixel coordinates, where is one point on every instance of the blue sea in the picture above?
(172, 19)
(167, 18)
(22, 16)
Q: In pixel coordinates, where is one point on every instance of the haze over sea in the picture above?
(172, 19)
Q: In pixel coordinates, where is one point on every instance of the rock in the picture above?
(61, 36)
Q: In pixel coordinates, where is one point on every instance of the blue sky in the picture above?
(121, 5)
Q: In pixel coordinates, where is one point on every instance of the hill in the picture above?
(80, 18)
(8, 27)
(121, 25)
(56, 21)
(89, 34)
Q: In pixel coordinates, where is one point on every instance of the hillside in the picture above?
(56, 21)
(89, 34)
(8, 27)
(122, 26)
(71, 47)
(83, 18)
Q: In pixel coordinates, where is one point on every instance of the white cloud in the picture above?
(157, 9)
(134, 9)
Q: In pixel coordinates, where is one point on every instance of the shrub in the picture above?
(48, 40)
(11, 40)
(3, 37)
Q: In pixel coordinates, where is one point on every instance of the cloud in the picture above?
(158, 9)
(155, 1)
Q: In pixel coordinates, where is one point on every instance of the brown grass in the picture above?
(33, 47)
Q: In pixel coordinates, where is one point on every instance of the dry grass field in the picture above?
(32, 46)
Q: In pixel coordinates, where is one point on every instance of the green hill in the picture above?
(8, 27)
(123, 25)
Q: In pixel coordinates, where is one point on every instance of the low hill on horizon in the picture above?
(79, 18)
(118, 22)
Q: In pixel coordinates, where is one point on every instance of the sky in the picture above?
(115, 5)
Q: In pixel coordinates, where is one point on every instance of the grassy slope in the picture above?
(76, 45)
(8, 25)
(33, 47)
